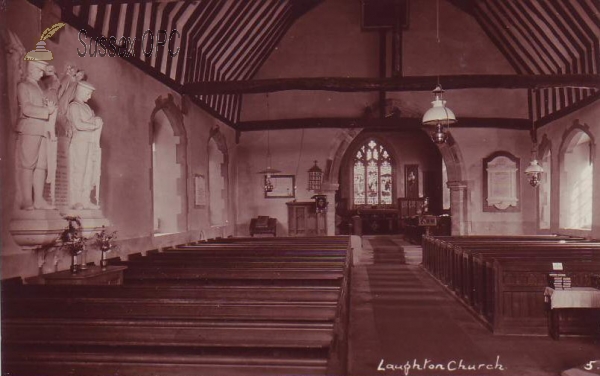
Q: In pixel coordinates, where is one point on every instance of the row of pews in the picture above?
(501, 279)
(231, 307)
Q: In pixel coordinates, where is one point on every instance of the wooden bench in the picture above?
(215, 313)
(476, 270)
(227, 293)
(142, 362)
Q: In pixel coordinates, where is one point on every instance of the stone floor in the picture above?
(400, 314)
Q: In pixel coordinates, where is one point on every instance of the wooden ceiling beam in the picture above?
(415, 83)
(390, 123)
(106, 2)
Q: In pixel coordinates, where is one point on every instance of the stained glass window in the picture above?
(372, 175)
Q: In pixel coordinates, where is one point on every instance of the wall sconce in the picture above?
(320, 203)
(315, 177)
(534, 172)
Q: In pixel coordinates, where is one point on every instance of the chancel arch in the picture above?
(169, 168)
(576, 163)
(343, 149)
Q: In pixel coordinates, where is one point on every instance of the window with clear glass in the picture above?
(445, 189)
(372, 175)
(576, 186)
(544, 190)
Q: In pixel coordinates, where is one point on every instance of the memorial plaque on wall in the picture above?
(501, 183)
(61, 193)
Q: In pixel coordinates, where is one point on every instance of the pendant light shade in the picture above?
(439, 113)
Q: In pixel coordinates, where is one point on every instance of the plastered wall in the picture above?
(589, 118)
(328, 42)
(125, 98)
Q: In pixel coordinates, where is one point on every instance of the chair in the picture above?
(263, 225)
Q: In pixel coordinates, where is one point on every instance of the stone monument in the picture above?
(55, 176)
(84, 150)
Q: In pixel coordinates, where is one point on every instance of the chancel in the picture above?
(426, 204)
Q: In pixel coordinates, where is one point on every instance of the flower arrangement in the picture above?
(104, 243)
(73, 241)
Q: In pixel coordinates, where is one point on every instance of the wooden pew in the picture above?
(177, 362)
(436, 247)
(476, 270)
(226, 293)
(519, 307)
(293, 321)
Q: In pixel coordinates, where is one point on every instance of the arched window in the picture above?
(169, 168)
(545, 189)
(576, 181)
(372, 175)
(445, 189)
(167, 175)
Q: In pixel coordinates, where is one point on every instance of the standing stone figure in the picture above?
(35, 128)
(84, 150)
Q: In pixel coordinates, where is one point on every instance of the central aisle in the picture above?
(400, 315)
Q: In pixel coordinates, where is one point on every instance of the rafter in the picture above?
(73, 3)
(415, 83)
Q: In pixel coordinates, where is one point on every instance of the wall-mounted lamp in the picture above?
(534, 171)
(320, 203)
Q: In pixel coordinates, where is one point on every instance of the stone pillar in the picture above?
(459, 207)
(329, 189)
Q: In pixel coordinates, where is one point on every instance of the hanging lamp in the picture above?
(534, 171)
(315, 177)
(439, 115)
(267, 172)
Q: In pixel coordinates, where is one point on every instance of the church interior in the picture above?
(300, 187)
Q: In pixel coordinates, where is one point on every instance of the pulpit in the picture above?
(304, 220)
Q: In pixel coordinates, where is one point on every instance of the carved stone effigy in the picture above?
(79, 154)
(38, 220)
(84, 150)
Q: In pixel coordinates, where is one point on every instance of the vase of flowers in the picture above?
(73, 241)
(104, 242)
